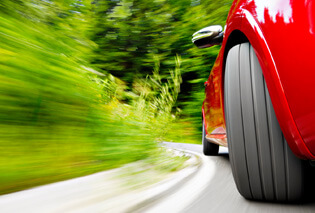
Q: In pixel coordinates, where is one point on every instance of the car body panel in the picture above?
(212, 108)
(282, 34)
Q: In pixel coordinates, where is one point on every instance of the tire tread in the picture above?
(263, 166)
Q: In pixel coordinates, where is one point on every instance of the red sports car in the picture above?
(260, 95)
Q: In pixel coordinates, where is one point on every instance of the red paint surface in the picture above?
(282, 33)
(213, 103)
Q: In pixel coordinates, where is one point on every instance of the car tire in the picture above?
(209, 148)
(263, 166)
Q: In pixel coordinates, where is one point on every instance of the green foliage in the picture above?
(132, 34)
(129, 35)
(61, 118)
(196, 63)
(77, 90)
(156, 99)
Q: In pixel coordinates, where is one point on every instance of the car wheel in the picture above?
(263, 166)
(209, 148)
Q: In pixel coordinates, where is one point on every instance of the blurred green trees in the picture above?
(132, 34)
(88, 85)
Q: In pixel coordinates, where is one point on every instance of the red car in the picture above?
(260, 95)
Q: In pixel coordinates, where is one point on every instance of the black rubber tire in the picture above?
(209, 148)
(263, 166)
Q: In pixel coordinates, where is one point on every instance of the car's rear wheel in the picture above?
(209, 148)
(263, 166)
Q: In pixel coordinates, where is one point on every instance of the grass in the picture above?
(182, 131)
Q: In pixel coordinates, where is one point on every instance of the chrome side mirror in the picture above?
(209, 36)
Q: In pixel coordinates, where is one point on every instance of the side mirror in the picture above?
(209, 36)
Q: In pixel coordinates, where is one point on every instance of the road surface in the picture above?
(221, 195)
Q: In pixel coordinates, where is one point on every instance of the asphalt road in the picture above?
(221, 195)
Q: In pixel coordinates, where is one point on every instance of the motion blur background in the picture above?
(87, 86)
